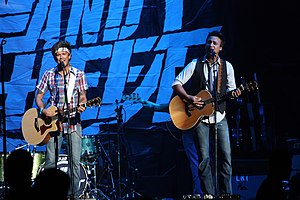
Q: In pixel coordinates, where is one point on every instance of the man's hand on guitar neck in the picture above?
(81, 108)
(236, 93)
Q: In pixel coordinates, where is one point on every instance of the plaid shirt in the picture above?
(54, 82)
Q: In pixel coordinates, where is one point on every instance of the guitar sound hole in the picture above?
(47, 120)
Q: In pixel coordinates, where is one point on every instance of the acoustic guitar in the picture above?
(187, 116)
(36, 127)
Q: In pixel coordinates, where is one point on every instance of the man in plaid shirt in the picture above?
(67, 86)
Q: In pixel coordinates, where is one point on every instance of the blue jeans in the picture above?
(224, 157)
(75, 149)
(188, 141)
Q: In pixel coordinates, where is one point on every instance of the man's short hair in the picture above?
(219, 35)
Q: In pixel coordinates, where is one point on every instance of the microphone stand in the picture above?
(69, 138)
(55, 135)
(215, 93)
(3, 127)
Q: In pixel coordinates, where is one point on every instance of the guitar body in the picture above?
(35, 129)
(186, 116)
(186, 119)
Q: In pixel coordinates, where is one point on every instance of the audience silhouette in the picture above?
(51, 183)
(274, 186)
(17, 174)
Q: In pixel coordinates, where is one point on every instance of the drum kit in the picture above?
(96, 167)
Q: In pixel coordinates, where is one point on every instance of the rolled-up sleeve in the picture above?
(185, 74)
(231, 85)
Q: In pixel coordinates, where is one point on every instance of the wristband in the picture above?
(41, 111)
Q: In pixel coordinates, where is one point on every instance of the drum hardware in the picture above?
(109, 170)
(92, 190)
(119, 117)
(98, 194)
(124, 190)
(92, 173)
(106, 188)
(92, 149)
(120, 188)
(108, 184)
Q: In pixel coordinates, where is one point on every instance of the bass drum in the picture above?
(62, 164)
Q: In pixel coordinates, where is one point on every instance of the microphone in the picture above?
(212, 53)
(62, 64)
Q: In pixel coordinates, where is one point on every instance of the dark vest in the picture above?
(198, 82)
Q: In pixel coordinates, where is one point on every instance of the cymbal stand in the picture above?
(94, 192)
(120, 129)
(109, 169)
(92, 171)
(129, 192)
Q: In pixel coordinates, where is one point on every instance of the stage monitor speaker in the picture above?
(247, 185)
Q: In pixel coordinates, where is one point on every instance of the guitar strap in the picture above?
(220, 71)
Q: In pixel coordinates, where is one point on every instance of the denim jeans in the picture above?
(75, 149)
(188, 141)
(224, 171)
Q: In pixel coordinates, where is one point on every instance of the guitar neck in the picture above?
(73, 110)
(227, 94)
(90, 103)
(248, 86)
(67, 112)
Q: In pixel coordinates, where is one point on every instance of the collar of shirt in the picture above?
(205, 60)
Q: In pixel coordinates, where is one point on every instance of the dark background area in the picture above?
(265, 42)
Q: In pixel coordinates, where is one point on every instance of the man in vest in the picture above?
(215, 75)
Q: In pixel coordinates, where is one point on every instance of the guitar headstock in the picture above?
(94, 102)
(251, 86)
(134, 97)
